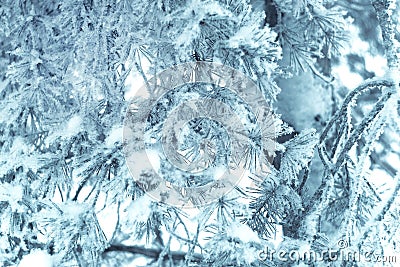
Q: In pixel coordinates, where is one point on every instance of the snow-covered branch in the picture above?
(384, 10)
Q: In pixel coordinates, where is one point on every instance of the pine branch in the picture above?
(383, 10)
(390, 202)
(356, 134)
(334, 167)
(381, 215)
(363, 88)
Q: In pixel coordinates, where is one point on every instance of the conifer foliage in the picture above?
(326, 174)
